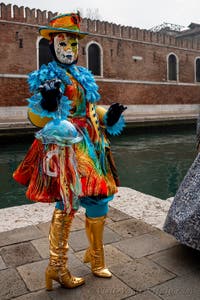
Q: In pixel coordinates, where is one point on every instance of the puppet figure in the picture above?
(70, 161)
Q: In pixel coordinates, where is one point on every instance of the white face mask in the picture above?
(66, 48)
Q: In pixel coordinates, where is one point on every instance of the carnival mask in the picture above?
(66, 48)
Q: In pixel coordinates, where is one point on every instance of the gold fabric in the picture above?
(36, 120)
(58, 238)
(87, 256)
(95, 253)
(101, 111)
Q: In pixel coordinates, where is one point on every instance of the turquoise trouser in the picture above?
(95, 207)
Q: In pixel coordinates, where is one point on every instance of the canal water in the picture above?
(150, 160)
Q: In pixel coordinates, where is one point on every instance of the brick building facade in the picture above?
(134, 62)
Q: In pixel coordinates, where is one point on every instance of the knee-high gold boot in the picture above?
(95, 253)
(58, 238)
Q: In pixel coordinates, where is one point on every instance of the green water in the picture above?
(155, 163)
(151, 161)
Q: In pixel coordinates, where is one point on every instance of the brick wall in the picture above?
(13, 92)
(146, 94)
(13, 59)
(124, 80)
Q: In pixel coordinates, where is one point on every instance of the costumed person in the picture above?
(198, 134)
(70, 161)
(183, 218)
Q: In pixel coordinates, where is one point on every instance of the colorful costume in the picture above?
(70, 161)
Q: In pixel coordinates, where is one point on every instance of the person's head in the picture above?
(63, 34)
(64, 47)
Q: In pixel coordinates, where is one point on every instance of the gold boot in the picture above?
(87, 256)
(95, 253)
(58, 238)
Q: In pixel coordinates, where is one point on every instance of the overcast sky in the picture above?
(136, 13)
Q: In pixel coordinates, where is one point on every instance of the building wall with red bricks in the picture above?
(125, 79)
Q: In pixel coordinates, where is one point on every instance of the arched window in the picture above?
(197, 67)
(44, 52)
(172, 67)
(94, 59)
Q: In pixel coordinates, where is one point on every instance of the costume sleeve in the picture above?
(117, 128)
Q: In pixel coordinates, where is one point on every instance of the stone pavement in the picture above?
(147, 264)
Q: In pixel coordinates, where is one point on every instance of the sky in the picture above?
(144, 14)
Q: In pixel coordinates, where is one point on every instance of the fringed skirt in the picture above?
(53, 173)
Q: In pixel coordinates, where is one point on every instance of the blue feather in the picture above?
(86, 79)
(117, 128)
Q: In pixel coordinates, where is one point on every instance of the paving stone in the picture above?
(80, 255)
(179, 260)
(108, 221)
(165, 239)
(20, 235)
(170, 270)
(2, 264)
(77, 224)
(141, 274)
(44, 227)
(142, 245)
(95, 288)
(19, 254)
(34, 274)
(73, 260)
(130, 227)
(42, 246)
(110, 236)
(186, 287)
(112, 256)
(117, 215)
(80, 271)
(144, 296)
(41, 295)
(81, 216)
(78, 239)
(11, 285)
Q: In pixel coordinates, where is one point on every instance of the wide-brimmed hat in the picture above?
(69, 23)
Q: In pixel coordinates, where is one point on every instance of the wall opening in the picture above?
(44, 52)
(172, 67)
(94, 59)
(197, 67)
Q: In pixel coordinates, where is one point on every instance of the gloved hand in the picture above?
(114, 112)
(51, 94)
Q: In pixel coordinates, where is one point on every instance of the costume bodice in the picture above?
(76, 94)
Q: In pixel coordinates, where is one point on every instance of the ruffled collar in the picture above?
(86, 79)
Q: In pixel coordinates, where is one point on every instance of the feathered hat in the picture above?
(69, 23)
